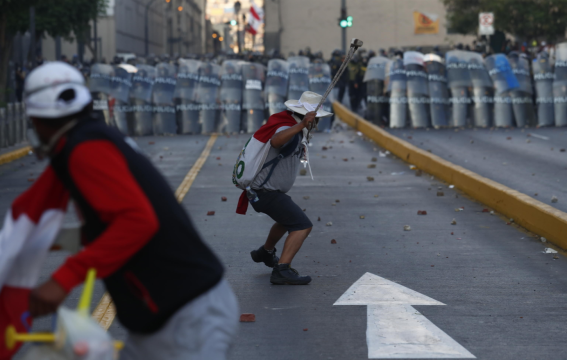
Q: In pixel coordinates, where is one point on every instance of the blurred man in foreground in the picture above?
(164, 281)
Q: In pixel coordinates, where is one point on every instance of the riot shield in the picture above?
(99, 85)
(186, 98)
(543, 78)
(522, 98)
(483, 93)
(140, 121)
(165, 121)
(277, 80)
(504, 81)
(319, 81)
(231, 95)
(120, 108)
(560, 85)
(459, 80)
(253, 79)
(396, 79)
(208, 90)
(438, 93)
(298, 76)
(418, 89)
(376, 102)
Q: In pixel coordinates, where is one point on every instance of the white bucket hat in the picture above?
(308, 102)
(44, 86)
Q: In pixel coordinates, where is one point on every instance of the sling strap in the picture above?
(285, 152)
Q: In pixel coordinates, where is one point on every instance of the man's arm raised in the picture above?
(283, 137)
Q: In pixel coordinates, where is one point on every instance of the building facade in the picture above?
(174, 27)
(291, 25)
(222, 12)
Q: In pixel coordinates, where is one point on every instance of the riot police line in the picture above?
(464, 90)
(413, 90)
(202, 97)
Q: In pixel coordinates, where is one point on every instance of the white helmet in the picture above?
(44, 88)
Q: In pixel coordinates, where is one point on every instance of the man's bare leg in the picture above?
(293, 244)
(276, 233)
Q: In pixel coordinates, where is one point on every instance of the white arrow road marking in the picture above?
(394, 328)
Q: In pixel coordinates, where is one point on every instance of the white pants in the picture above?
(201, 330)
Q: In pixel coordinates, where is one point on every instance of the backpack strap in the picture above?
(285, 152)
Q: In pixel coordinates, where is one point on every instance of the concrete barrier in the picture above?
(532, 214)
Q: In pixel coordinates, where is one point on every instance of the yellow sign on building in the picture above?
(425, 23)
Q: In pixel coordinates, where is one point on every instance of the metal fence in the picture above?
(13, 125)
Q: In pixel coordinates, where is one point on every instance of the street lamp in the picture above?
(237, 7)
(146, 40)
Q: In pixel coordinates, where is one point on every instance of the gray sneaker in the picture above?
(283, 274)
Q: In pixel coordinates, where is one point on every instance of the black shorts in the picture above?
(282, 210)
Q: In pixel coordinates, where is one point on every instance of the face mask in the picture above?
(42, 150)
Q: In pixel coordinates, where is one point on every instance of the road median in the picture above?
(527, 212)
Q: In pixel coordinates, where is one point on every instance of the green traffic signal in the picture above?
(349, 21)
(344, 23)
(233, 22)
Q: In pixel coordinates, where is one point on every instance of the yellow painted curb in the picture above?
(532, 214)
(14, 155)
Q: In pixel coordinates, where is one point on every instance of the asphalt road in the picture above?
(532, 161)
(504, 298)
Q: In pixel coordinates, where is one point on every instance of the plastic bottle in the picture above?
(251, 195)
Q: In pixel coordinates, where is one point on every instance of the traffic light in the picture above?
(345, 22)
(233, 22)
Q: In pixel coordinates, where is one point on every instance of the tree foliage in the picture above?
(526, 19)
(65, 18)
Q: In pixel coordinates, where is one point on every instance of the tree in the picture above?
(66, 18)
(527, 19)
(69, 19)
(8, 10)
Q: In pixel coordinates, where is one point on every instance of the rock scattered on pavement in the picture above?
(247, 318)
(407, 228)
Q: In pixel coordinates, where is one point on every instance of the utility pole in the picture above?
(32, 37)
(146, 38)
(343, 30)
